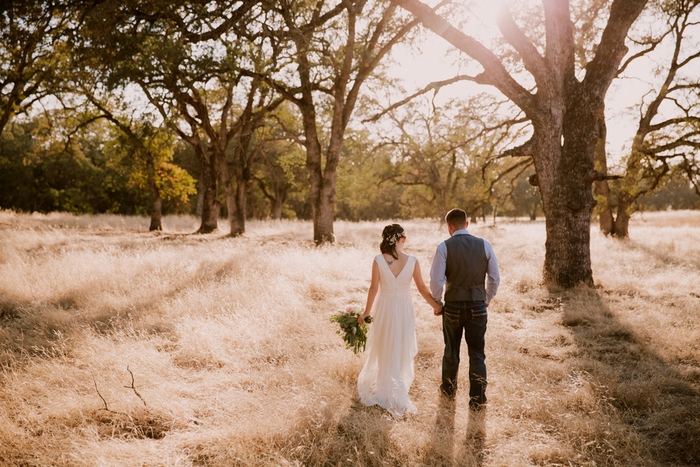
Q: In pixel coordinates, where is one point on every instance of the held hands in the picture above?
(437, 307)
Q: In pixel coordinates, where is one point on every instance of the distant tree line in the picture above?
(97, 174)
(100, 178)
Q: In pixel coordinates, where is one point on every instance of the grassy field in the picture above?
(120, 347)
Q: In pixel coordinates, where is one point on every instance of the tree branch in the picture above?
(524, 150)
(434, 86)
(369, 64)
(494, 73)
(100, 394)
(674, 121)
(524, 164)
(650, 48)
(533, 61)
(611, 49)
(289, 94)
(134, 388)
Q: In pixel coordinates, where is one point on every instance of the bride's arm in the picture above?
(423, 289)
(371, 293)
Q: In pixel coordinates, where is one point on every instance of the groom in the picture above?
(466, 268)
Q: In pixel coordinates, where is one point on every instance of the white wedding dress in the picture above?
(391, 343)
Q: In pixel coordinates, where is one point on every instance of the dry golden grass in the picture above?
(235, 363)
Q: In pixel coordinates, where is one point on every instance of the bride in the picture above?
(391, 343)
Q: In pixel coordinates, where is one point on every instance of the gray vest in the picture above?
(466, 269)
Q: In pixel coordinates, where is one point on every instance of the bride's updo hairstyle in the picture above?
(390, 235)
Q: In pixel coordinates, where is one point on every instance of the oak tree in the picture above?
(331, 52)
(564, 107)
(184, 57)
(33, 46)
(667, 138)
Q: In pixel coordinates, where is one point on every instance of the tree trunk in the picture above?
(211, 207)
(567, 250)
(200, 199)
(236, 224)
(325, 201)
(156, 213)
(277, 198)
(210, 203)
(277, 207)
(238, 216)
(323, 212)
(635, 182)
(156, 210)
(622, 220)
(601, 189)
(535, 205)
(563, 171)
(277, 203)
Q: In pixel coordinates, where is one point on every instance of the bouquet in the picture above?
(354, 335)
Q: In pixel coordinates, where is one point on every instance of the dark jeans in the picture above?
(470, 318)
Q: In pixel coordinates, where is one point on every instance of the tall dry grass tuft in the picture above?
(123, 347)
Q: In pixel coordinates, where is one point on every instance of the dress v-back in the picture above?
(391, 343)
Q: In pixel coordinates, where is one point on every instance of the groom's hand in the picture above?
(438, 311)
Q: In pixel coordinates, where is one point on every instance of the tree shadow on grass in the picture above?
(661, 254)
(45, 327)
(42, 328)
(642, 394)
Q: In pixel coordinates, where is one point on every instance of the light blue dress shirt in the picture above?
(437, 270)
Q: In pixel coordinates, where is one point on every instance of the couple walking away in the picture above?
(465, 268)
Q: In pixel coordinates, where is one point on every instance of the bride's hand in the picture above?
(361, 318)
(437, 310)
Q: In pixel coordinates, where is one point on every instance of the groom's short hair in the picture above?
(456, 218)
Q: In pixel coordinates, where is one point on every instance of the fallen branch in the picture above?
(104, 401)
(98, 393)
(134, 388)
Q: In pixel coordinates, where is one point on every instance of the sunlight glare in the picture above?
(488, 12)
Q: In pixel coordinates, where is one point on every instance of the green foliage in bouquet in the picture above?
(354, 335)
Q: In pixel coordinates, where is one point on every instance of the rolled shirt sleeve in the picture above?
(493, 277)
(437, 272)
